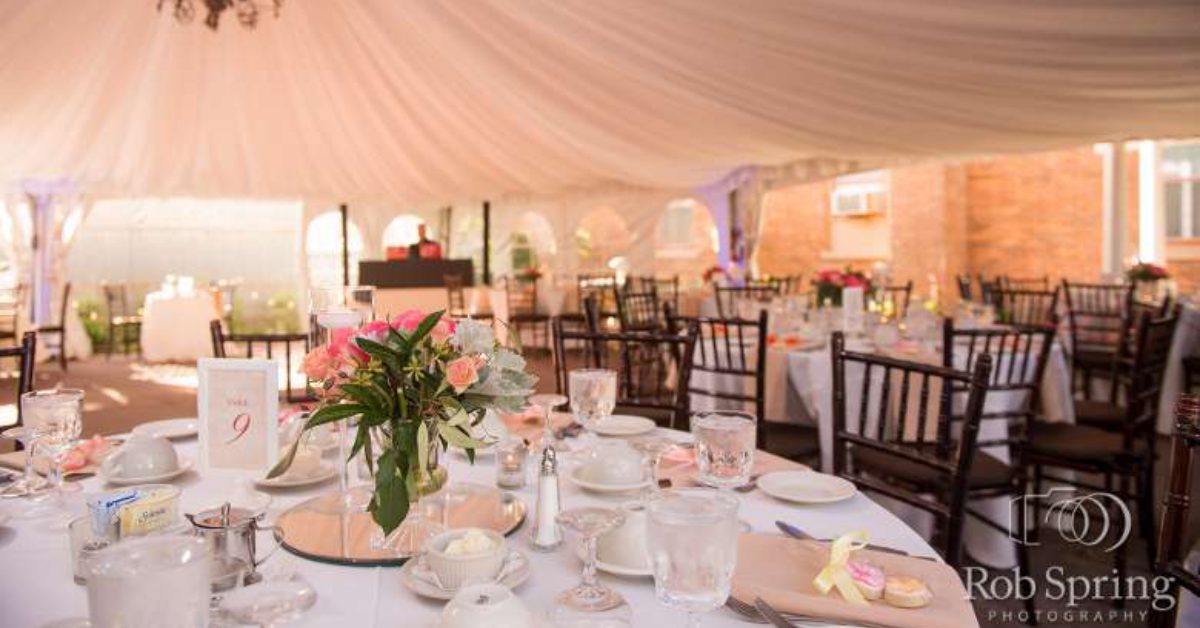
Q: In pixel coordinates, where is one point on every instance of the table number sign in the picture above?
(852, 310)
(238, 409)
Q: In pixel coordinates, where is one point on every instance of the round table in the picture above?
(36, 572)
(175, 326)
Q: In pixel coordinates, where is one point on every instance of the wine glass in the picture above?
(29, 483)
(724, 447)
(692, 539)
(547, 402)
(590, 602)
(593, 395)
(270, 603)
(55, 419)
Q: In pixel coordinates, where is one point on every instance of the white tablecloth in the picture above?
(36, 577)
(175, 326)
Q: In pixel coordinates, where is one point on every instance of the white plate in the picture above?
(623, 425)
(513, 572)
(327, 471)
(169, 428)
(604, 488)
(185, 465)
(806, 487)
(617, 570)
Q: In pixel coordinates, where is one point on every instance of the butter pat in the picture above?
(473, 542)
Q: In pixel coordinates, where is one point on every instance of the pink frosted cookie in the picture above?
(867, 577)
(906, 592)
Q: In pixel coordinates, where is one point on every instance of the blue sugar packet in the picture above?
(105, 508)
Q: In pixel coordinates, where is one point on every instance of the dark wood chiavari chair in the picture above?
(1191, 374)
(1039, 284)
(522, 297)
(1097, 318)
(653, 369)
(270, 344)
(1027, 307)
(456, 299)
(964, 287)
(26, 355)
(1124, 458)
(124, 324)
(58, 330)
(889, 445)
(901, 295)
(988, 290)
(667, 288)
(1018, 356)
(638, 311)
(602, 287)
(1173, 531)
(728, 296)
(731, 349)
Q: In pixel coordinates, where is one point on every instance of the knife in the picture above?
(772, 615)
(797, 533)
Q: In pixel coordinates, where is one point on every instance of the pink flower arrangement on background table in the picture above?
(416, 384)
(829, 283)
(1147, 272)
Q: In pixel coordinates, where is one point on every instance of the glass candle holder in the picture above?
(511, 456)
(84, 543)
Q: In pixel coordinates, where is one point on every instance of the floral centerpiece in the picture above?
(713, 272)
(530, 273)
(416, 385)
(1146, 272)
(828, 284)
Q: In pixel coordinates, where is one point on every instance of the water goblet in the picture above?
(593, 395)
(725, 444)
(692, 538)
(55, 418)
(547, 402)
(590, 602)
(29, 483)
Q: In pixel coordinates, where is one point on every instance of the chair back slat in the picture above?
(1096, 314)
(1173, 529)
(638, 311)
(900, 295)
(727, 297)
(26, 355)
(267, 344)
(1016, 306)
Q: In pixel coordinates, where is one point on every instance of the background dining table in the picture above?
(375, 596)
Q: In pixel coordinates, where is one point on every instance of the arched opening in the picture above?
(685, 241)
(403, 231)
(533, 244)
(602, 239)
(323, 246)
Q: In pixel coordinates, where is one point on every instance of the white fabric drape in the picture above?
(408, 101)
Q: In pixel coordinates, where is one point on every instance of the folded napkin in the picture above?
(781, 570)
(681, 471)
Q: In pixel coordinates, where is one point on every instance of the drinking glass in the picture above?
(547, 402)
(29, 483)
(593, 395)
(692, 537)
(156, 581)
(270, 603)
(590, 602)
(725, 443)
(55, 419)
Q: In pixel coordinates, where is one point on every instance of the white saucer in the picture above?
(185, 465)
(169, 428)
(326, 472)
(806, 487)
(416, 576)
(604, 488)
(623, 425)
(617, 570)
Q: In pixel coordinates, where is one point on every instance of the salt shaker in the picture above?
(547, 535)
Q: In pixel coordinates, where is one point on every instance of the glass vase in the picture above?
(422, 521)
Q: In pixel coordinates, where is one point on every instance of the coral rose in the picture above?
(319, 364)
(443, 330)
(462, 372)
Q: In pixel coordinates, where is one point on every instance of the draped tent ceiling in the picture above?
(413, 102)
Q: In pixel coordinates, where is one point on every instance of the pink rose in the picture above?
(342, 348)
(443, 330)
(462, 372)
(408, 321)
(853, 281)
(375, 330)
(319, 364)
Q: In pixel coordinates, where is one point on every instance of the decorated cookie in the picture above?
(867, 577)
(906, 592)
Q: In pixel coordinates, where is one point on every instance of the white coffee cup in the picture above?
(486, 606)
(614, 463)
(305, 464)
(142, 456)
(626, 546)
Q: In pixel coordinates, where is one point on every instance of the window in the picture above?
(323, 243)
(860, 194)
(1181, 189)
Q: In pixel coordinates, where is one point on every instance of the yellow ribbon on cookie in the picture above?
(835, 573)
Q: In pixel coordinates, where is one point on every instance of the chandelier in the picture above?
(245, 10)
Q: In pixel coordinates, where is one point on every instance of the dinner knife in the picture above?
(797, 533)
(772, 615)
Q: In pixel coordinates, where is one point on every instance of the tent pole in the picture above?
(345, 212)
(487, 243)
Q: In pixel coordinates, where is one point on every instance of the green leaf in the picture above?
(360, 440)
(458, 418)
(323, 415)
(390, 503)
(386, 355)
(457, 436)
(424, 328)
(422, 446)
(366, 394)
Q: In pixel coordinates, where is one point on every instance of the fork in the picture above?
(750, 613)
